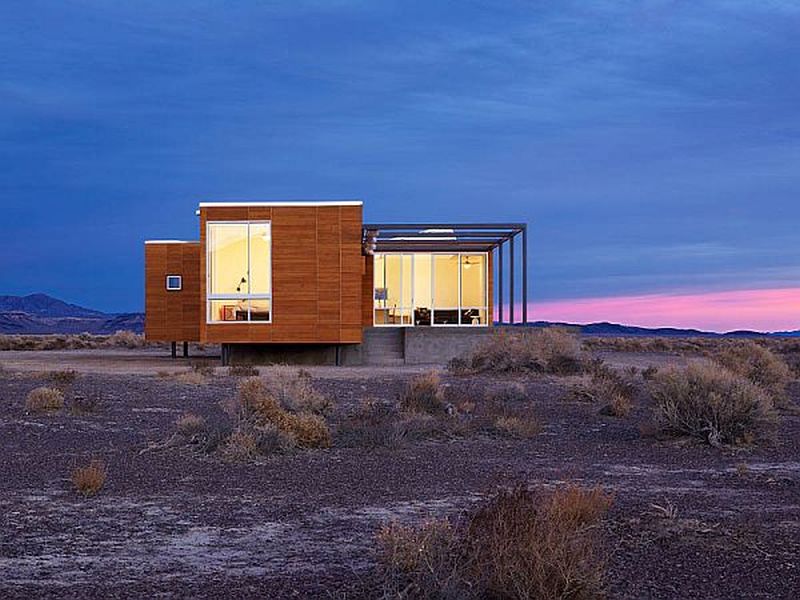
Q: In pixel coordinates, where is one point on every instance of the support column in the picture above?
(524, 274)
(511, 280)
(185, 349)
(174, 346)
(500, 284)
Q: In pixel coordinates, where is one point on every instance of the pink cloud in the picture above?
(762, 310)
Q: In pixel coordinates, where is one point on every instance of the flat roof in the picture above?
(171, 241)
(437, 237)
(284, 203)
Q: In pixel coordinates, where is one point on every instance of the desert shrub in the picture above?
(272, 440)
(552, 350)
(44, 399)
(308, 430)
(63, 378)
(618, 406)
(240, 446)
(709, 402)
(203, 368)
(518, 544)
(372, 424)
(190, 424)
(517, 426)
(255, 407)
(89, 479)
(126, 339)
(649, 372)
(243, 371)
(507, 392)
(758, 364)
(191, 378)
(83, 404)
(294, 390)
(424, 394)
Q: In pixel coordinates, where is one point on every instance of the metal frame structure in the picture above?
(458, 237)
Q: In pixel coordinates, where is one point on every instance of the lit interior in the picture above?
(239, 277)
(430, 289)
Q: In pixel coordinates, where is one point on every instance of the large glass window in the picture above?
(239, 272)
(430, 289)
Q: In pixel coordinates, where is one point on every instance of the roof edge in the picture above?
(284, 203)
(172, 241)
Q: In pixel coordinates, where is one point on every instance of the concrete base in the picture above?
(293, 354)
(382, 346)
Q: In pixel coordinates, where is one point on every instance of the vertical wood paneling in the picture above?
(172, 315)
(316, 299)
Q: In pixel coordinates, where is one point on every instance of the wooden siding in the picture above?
(172, 316)
(316, 275)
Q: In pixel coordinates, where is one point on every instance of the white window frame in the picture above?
(174, 289)
(234, 296)
(458, 308)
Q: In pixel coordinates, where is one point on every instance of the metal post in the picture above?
(525, 275)
(511, 280)
(500, 284)
(185, 349)
(174, 349)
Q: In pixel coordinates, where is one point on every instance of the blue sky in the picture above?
(652, 146)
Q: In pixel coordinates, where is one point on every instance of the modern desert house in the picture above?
(310, 282)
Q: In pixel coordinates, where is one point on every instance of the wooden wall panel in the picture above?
(172, 315)
(316, 275)
(367, 290)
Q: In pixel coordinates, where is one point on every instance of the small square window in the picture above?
(174, 283)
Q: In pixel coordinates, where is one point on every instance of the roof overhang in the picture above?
(437, 237)
(284, 203)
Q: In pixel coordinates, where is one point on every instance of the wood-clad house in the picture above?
(286, 279)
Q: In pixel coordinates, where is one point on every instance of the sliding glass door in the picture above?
(430, 289)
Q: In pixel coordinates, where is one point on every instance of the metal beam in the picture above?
(500, 284)
(511, 281)
(525, 275)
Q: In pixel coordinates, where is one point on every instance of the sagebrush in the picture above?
(519, 544)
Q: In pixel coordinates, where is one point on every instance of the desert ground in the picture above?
(688, 520)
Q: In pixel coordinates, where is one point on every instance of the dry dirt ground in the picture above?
(176, 523)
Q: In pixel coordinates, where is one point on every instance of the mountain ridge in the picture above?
(43, 314)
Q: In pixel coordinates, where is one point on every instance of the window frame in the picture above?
(174, 289)
(248, 297)
(460, 256)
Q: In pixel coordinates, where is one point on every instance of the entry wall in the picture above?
(316, 275)
(172, 316)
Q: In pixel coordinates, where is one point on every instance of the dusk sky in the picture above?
(653, 147)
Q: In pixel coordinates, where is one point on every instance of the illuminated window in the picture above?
(239, 272)
(431, 289)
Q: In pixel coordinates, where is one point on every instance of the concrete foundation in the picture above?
(381, 346)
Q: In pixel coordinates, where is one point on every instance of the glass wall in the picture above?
(239, 286)
(430, 289)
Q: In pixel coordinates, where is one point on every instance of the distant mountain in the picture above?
(41, 314)
(616, 330)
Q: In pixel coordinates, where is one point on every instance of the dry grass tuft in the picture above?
(203, 368)
(85, 404)
(424, 394)
(518, 544)
(554, 350)
(243, 371)
(294, 390)
(89, 480)
(514, 392)
(518, 427)
(759, 365)
(44, 399)
(709, 402)
(126, 339)
(63, 378)
(240, 446)
(190, 424)
(191, 378)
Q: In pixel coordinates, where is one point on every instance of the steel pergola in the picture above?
(458, 237)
